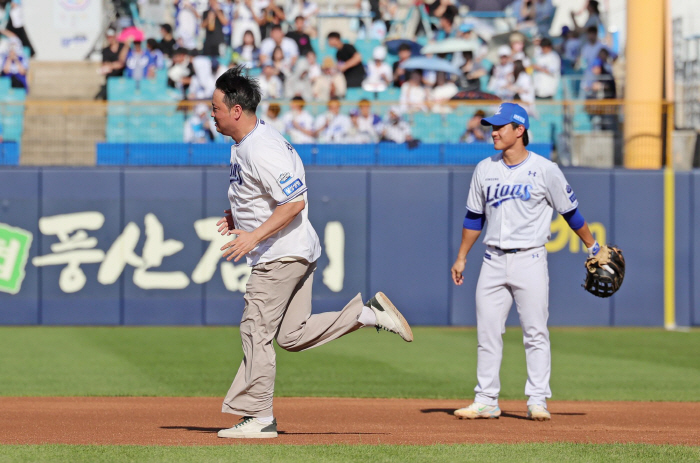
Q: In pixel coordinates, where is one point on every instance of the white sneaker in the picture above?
(538, 413)
(478, 410)
(251, 428)
(388, 317)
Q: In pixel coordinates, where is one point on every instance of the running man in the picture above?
(269, 215)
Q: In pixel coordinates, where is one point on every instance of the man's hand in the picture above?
(241, 246)
(457, 271)
(226, 225)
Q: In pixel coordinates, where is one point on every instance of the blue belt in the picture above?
(508, 251)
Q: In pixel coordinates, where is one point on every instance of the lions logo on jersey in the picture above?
(235, 175)
(498, 194)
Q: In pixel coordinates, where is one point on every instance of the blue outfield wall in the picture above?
(138, 245)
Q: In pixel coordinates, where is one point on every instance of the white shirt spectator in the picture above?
(271, 87)
(289, 48)
(187, 23)
(334, 127)
(547, 83)
(372, 125)
(302, 119)
(500, 79)
(525, 88)
(243, 21)
(413, 97)
(398, 133)
(440, 94)
(378, 74)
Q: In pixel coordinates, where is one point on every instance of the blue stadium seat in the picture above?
(390, 94)
(427, 127)
(357, 94)
(5, 85)
(121, 89)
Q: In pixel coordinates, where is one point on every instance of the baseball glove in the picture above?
(605, 271)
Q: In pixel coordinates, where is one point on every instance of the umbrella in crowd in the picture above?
(430, 64)
(133, 33)
(392, 46)
(451, 45)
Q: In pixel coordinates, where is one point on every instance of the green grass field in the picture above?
(588, 364)
(518, 453)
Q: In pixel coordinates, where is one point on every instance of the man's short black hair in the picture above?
(167, 28)
(276, 26)
(333, 35)
(152, 43)
(404, 47)
(526, 137)
(239, 89)
(592, 30)
(298, 18)
(546, 42)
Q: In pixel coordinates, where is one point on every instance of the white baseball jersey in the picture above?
(266, 172)
(518, 200)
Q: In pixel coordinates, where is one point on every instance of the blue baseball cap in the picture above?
(507, 113)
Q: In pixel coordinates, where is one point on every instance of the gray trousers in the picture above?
(278, 306)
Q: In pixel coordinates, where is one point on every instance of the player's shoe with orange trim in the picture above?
(251, 428)
(388, 317)
(538, 413)
(477, 411)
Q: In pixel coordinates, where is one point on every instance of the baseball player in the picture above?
(269, 215)
(514, 193)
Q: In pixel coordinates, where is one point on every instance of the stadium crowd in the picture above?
(275, 40)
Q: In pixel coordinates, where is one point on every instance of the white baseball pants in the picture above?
(505, 277)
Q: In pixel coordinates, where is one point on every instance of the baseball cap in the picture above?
(504, 50)
(111, 32)
(507, 113)
(379, 53)
(466, 27)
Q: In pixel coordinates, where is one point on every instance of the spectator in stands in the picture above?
(501, 74)
(517, 46)
(349, 60)
(246, 17)
(113, 58)
(570, 50)
(227, 9)
(156, 56)
(356, 134)
(271, 86)
(441, 93)
(330, 83)
(307, 11)
(474, 131)
(332, 126)
(181, 71)
(593, 20)
(187, 20)
(473, 71)
(379, 74)
(447, 24)
(213, 23)
(289, 47)
(434, 9)
(298, 83)
(413, 96)
(198, 127)
(396, 130)
(522, 88)
(369, 122)
(15, 24)
(603, 117)
(203, 83)
(167, 42)
(400, 74)
(589, 52)
(301, 38)
(138, 61)
(272, 16)
(248, 53)
(284, 70)
(314, 68)
(272, 117)
(547, 69)
(299, 124)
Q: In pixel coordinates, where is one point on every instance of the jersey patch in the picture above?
(572, 198)
(497, 195)
(284, 178)
(293, 187)
(289, 146)
(568, 189)
(235, 175)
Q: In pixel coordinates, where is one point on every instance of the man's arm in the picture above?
(281, 217)
(354, 61)
(469, 237)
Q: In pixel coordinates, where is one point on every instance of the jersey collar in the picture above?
(257, 123)
(517, 165)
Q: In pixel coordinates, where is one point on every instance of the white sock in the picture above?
(367, 317)
(265, 419)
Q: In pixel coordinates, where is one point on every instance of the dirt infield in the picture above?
(194, 421)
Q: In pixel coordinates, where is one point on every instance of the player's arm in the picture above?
(579, 225)
(473, 224)
(282, 216)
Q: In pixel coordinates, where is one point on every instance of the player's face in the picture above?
(504, 136)
(223, 118)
